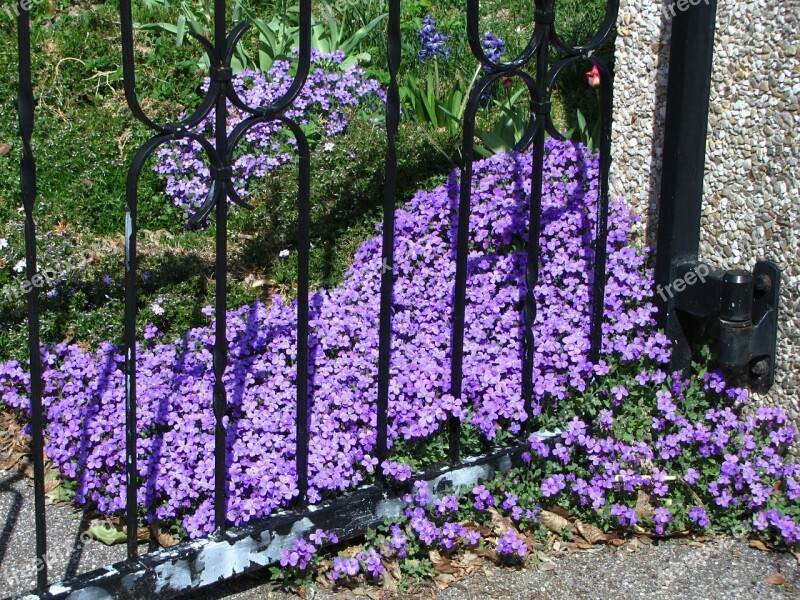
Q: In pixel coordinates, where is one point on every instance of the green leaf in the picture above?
(180, 30)
(581, 121)
(496, 143)
(359, 35)
(333, 27)
(107, 533)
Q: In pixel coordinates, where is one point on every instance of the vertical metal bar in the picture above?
(129, 334)
(221, 292)
(304, 239)
(26, 108)
(394, 45)
(686, 128)
(131, 472)
(601, 231)
(304, 243)
(462, 250)
(544, 22)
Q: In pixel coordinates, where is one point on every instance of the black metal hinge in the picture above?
(735, 311)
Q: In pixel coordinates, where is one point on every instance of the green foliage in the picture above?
(424, 102)
(508, 128)
(276, 37)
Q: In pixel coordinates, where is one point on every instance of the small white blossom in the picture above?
(284, 254)
(156, 307)
(3, 243)
(20, 266)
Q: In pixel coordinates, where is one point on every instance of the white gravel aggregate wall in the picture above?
(752, 184)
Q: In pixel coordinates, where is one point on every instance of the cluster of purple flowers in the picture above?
(510, 544)
(493, 46)
(603, 466)
(84, 390)
(331, 93)
(433, 41)
(299, 555)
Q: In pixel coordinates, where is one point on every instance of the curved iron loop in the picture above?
(129, 79)
(474, 39)
(558, 69)
(233, 40)
(129, 336)
(538, 108)
(280, 105)
(597, 40)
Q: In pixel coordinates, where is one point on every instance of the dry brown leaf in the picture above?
(486, 553)
(758, 544)
(562, 512)
(590, 533)
(166, 540)
(777, 579)
(617, 542)
(643, 506)
(391, 575)
(49, 486)
(442, 564)
(5, 149)
(554, 522)
(583, 545)
(443, 580)
(468, 559)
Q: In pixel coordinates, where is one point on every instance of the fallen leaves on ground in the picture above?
(777, 579)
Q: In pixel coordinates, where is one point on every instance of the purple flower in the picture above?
(553, 485)
(625, 516)
(661, 516)
(699, 516)
(433, 41)
(510, 544)
(483, 497)
(692, 476)
(493, 46)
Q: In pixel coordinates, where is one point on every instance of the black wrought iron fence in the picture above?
(229, 552)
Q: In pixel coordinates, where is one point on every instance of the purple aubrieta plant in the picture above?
(83, 391)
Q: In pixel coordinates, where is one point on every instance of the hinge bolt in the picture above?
(763, 283)
(760, 367)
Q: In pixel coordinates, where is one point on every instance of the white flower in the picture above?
(156, 306)
(20, 266)
(3, 243)
(284, 254)
(328, 146)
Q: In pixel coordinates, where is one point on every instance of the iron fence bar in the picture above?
(26, 108)
(541, 107)
(222, 75)
(601, 231)
(303, 259)
(394, 46)
(304, 242)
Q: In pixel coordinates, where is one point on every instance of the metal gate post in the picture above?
(686, 126)
(744, 305)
